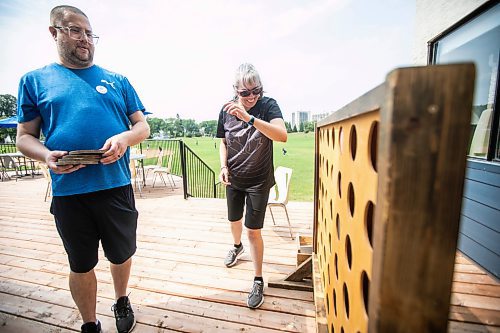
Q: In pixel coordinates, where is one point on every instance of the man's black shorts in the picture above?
(256, 202)
(84, 219)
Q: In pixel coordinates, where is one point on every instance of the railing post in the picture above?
(182, 151)
(215, 186)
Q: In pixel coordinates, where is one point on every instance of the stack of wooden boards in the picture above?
(75, 157)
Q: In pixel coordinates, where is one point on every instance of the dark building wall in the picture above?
(479, 236)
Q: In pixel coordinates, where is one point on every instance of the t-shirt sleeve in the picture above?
(273, 110)
(132, 100)
(26, 104)
(220, 125)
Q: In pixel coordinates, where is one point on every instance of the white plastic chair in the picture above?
(278, 195)
(481, 137)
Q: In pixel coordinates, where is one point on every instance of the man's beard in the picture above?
(72, 57)
(75, 59)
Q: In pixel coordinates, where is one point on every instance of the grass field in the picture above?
(299, 157)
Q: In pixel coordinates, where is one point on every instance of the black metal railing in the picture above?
(198, 178)
(220, 191)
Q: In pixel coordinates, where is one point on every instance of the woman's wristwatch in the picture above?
(251, 121)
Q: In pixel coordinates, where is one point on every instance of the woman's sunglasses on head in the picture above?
(255, 91)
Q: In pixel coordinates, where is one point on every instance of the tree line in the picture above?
(161, 128)
(177, 127)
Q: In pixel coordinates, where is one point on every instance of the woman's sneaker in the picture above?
(124, 315)
(91, 327)
(233, 255)
(256, 296)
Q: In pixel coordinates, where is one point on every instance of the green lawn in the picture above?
(299, 157)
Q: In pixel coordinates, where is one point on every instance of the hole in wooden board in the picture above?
(373, 144)
(346, 300)
(370, 208)
(337, 224)
(353, 142)
(350, 196)
(348, 251)
(339, 178)
(365, 287)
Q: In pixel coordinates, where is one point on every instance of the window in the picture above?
(477, 39)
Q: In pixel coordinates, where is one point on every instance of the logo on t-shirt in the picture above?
(112, 84)
(101, 89)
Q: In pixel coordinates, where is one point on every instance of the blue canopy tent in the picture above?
(10, 122)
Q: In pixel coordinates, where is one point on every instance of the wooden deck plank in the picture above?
(22, 267)
(460, 327)
(475, 315)
(16, 324)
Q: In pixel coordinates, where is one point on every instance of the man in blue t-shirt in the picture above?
(80, 106)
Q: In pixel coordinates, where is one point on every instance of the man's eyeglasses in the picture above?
(77, 34)
(245, 93)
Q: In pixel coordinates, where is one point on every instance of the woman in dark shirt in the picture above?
(248, 125)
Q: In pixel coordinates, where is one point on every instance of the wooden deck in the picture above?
(179, 282)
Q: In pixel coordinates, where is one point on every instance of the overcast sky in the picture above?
(312, 55)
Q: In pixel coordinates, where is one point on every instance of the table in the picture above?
(140, 158)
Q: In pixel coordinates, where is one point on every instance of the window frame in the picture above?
(494, 141)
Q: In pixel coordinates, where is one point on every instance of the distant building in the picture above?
(299, 117)
(317, 117)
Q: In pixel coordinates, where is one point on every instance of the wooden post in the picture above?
(316, 186)
(424, 131)
(319, 298)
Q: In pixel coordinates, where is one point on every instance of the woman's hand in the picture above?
(237, 110)
(224, 176)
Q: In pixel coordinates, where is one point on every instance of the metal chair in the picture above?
(9, 163)
(134, 175)
(156, 153)
(3, 170)
(161, 170)
(48, 178)
(278, 195)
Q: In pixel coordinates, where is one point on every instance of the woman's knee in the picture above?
(254, 234)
